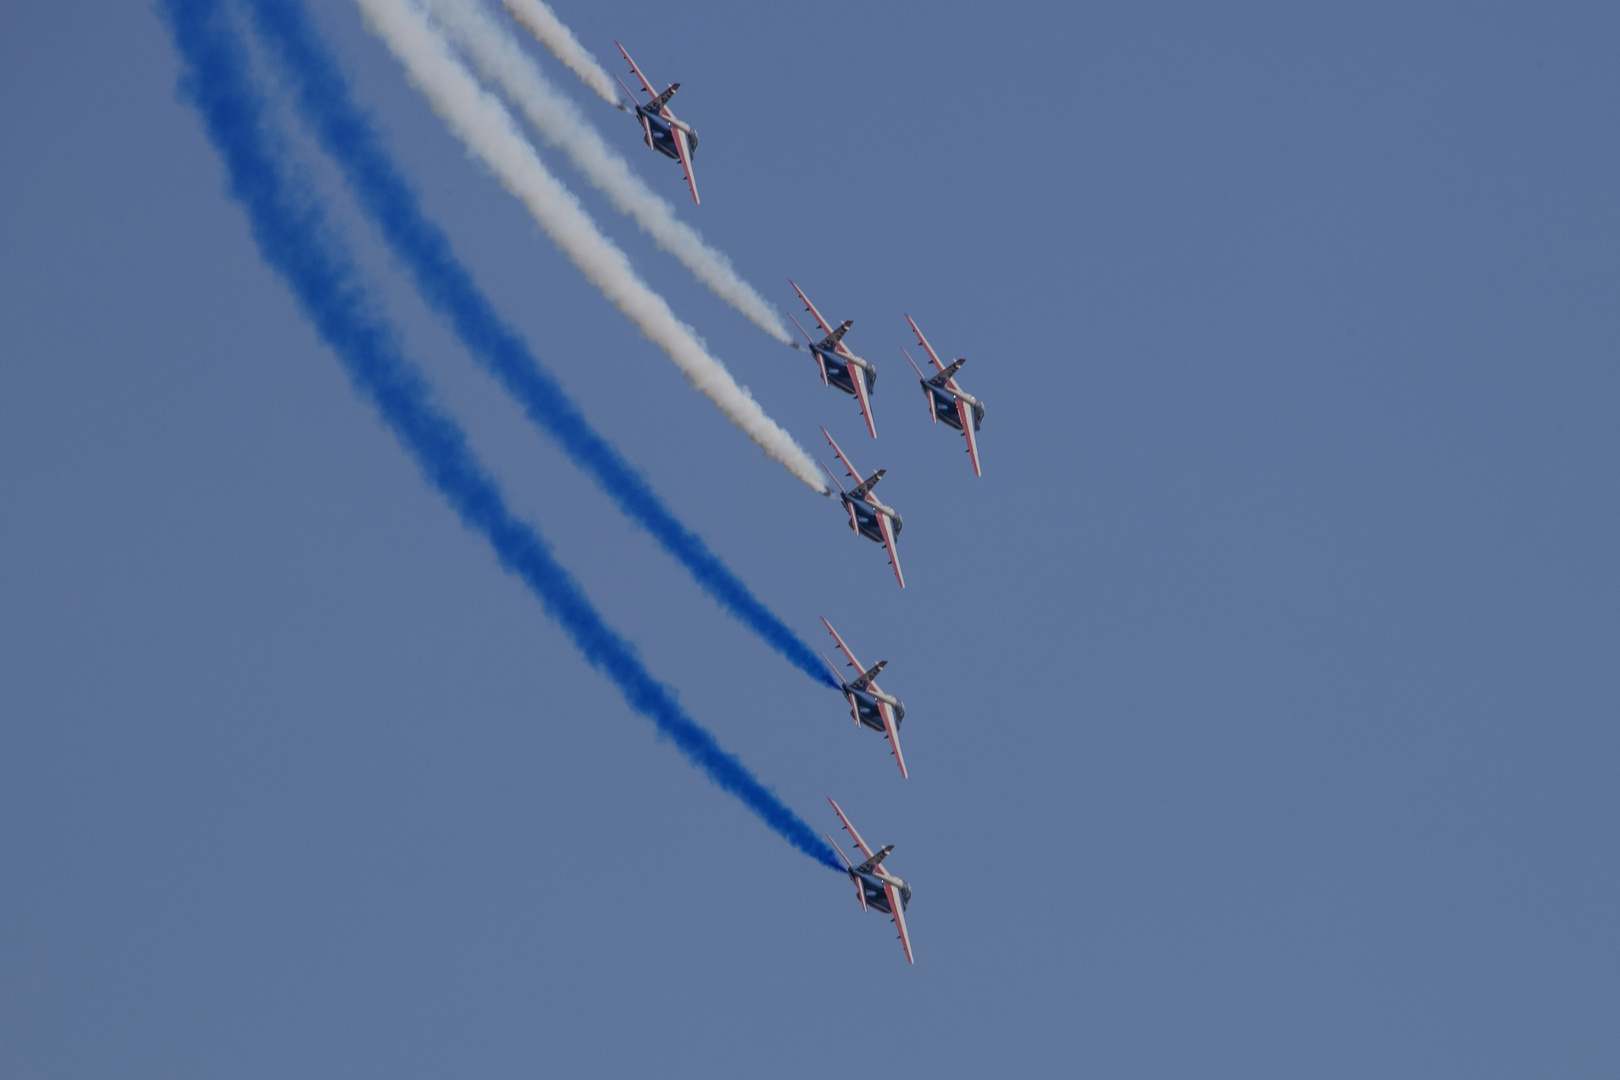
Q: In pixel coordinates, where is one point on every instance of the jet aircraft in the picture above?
(839, 366)
(947, 401)
(867, 516)
(874, 886)
(663, 132)
(868, 704)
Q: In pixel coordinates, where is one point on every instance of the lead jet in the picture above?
(867, 516)
(947, 401)
(663, 132)
(874, 886)
(839, 366)
(868, 704)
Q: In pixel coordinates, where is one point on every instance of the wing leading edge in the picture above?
(853, 835)
(645, 85)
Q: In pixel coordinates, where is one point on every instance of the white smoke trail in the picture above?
(484, 125)
(549, 31)
(498, 56)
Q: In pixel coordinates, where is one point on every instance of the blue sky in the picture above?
(1261, 695)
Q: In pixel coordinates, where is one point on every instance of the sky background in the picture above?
(1262, 695)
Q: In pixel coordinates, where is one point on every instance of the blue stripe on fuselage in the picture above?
(663, 140)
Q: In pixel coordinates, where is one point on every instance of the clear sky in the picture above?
(1262, 695)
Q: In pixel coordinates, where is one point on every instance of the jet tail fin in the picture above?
(945, 375)
(657, 104)
(875, 861)
(867, 676)
(866, 485)
(831, 340)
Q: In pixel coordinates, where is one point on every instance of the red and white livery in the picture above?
(840, 367)
(868, 704)
(867, 516)
(947, 400)
(874, 886)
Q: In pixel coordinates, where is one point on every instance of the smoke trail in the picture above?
(347, 134)
(549, 31)
(295, 238)
(487, 128)
(499, 58)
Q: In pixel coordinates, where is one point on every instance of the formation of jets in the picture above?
(843, 370)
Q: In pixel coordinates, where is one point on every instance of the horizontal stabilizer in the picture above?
(860, 893)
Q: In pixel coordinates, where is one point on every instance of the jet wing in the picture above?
(866, 851)
(892, 729)
(645, 85)
(811, 308)
(854, 475)
(965, 414)
(857, 376)
(848, 655)
(887, 527)
(950, 383)
(685, 150)
(899, 919)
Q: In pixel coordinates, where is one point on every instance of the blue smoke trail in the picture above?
(295, 238)
(345, 131)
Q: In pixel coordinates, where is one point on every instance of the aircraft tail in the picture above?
(866, 485)
(867, 676)
(875, 861)
(831, 340)
(657, 103)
